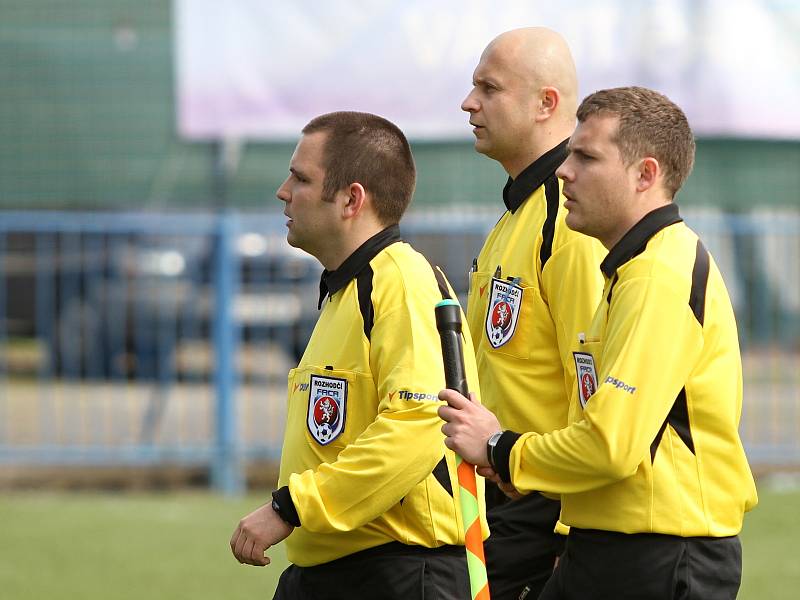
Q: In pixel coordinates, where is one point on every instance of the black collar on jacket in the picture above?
(636, 238)
(332, 281)
(518, 190)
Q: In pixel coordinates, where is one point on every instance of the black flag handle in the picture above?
(448, 322)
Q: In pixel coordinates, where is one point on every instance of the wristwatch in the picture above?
(490, 445)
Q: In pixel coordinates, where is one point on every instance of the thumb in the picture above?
(453, 398)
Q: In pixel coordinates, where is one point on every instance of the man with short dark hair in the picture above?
(532, 284)
(653, 476)
(366, 487)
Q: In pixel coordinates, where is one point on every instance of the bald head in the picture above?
(524, 96)
(540, 57)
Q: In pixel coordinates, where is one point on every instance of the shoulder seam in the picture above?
(697, 295)
(364, 294)
(552, 195)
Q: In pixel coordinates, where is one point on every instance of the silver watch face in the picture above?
(490, 445)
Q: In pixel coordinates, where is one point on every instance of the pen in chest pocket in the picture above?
(473, 269)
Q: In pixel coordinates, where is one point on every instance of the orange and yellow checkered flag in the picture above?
(448, 322)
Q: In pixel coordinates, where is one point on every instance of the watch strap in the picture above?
(490, 446)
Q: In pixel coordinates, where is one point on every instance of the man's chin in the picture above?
(482, 147)
(573, 222)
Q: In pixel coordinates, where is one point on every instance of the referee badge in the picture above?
(327, 403)
(587, 376)
(505, 301)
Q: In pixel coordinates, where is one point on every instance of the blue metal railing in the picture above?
(147, 339)
(226, 472)
(76, 268)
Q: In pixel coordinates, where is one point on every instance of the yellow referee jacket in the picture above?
(534, 284)
(364, 461)
(653, 444)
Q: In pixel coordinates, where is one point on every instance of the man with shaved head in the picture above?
(534, 284)
(653, 477)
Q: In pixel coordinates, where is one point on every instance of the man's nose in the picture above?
(283, 193)
(469, 104)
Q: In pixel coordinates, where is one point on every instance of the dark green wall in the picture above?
(87, 121)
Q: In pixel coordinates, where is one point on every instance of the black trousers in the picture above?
(604, 564)
(522, 548)
(393, 571)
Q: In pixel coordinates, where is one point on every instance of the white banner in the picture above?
(259, 69)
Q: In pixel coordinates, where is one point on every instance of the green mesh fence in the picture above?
(87, 121)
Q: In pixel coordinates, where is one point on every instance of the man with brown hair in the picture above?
(652, 473)
(532, 284)
(366, 487)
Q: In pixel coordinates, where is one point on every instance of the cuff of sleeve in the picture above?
(561, 529)
(502, 454)
(285, 506)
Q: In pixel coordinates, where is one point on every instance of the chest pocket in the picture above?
(511, 314)
(586, 371)
(332, 406)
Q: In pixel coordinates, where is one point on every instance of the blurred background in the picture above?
(150, 307)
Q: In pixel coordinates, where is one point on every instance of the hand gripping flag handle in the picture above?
(448, 322)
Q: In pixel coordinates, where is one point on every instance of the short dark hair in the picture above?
(370, 150)
(650, 124)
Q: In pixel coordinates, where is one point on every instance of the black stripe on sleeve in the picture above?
(678, 419)
(442, 475)
(611, 287)
(655, 443)
(697, 297)
(364, 284)
(549, 227)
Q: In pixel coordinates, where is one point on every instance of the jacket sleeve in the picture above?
(404, 442)
(651, 343)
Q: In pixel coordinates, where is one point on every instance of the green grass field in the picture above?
(175, 546)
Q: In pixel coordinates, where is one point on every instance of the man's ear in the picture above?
(649, 173)
(549, 98)
(355, 201)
